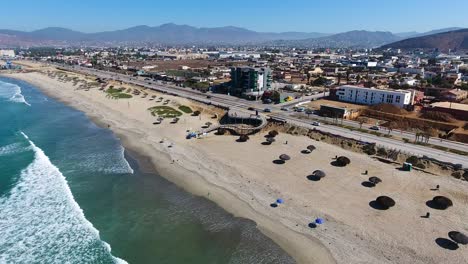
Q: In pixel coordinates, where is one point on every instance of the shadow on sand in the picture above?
(446, 243)
(368, 184)
(377, 206)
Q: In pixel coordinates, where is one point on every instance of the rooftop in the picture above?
(462, 107)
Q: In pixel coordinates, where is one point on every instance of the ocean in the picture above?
(70, 193)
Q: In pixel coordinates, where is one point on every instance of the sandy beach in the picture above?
(243, 179)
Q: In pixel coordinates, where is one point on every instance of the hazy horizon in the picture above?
(299, 16)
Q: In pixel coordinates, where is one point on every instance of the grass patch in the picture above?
(164, 111)
(185, 109)
(117, 93)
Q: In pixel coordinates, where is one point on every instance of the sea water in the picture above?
(70, 194)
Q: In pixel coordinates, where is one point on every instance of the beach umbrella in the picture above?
(284, 157)
(273, 133)
(319, 173)
(270, 139)
(458, 237)
(442, 202)
(375, 180)
(319, 221)
(385, 201)
(311, 147)
(279, 201)
(343, 161)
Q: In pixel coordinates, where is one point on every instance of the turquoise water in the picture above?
(69, 193)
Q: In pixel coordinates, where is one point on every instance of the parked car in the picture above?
(208, 96)
(375, 128)
(284, 108)
(315, 123)
(267, 110)
(251, 109)
(267, 101)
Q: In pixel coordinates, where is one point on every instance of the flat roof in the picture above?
(457, 106)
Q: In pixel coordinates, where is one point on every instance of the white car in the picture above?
(315, 123)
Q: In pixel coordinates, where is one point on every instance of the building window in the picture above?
(397, 99)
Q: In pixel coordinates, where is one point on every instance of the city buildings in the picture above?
(372, 96)
(250, 82)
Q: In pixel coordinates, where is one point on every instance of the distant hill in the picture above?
(414, 34)
(166, 34)
(457, 39)
(350, 39)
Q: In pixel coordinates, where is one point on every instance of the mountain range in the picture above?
(445, 41)
(173, 34)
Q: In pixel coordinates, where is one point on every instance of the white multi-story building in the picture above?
(7, 53)
(372, 96)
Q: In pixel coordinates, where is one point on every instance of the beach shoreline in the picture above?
(241, 178)
(302, 249)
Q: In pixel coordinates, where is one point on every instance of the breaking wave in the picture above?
(41, 222)
(12, 92)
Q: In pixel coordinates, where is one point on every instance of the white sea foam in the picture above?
(12, 92)
(12, 149)
(110, 161)
(40, 221)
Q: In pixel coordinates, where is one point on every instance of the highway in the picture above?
(243, 106)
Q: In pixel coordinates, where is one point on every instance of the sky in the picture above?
(326, 16)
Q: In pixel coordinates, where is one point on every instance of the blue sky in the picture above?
(329, 16)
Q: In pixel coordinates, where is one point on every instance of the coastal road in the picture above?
(242, 106)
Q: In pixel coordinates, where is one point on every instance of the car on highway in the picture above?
(284, 108)
(267, 110)
(267, 101)
(300, 109)
(309, 111)
(376, 128)
(315, 123)
(251, 109)
(208, 96)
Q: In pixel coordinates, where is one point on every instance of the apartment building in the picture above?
(250, 82)
(372, 96)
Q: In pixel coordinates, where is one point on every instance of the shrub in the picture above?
(413, 160)
(457, 174)
(196, 113)
(382, 152)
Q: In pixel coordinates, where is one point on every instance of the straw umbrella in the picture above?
(319, 173)
(385, 201)
(284, 157)
(442, 202)
(375, 180)
(273, 133)
(270, 139)
(343, 161)
(458, 237)
(311, 148)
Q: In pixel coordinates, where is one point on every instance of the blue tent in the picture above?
(319, 221)
(280, 201)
